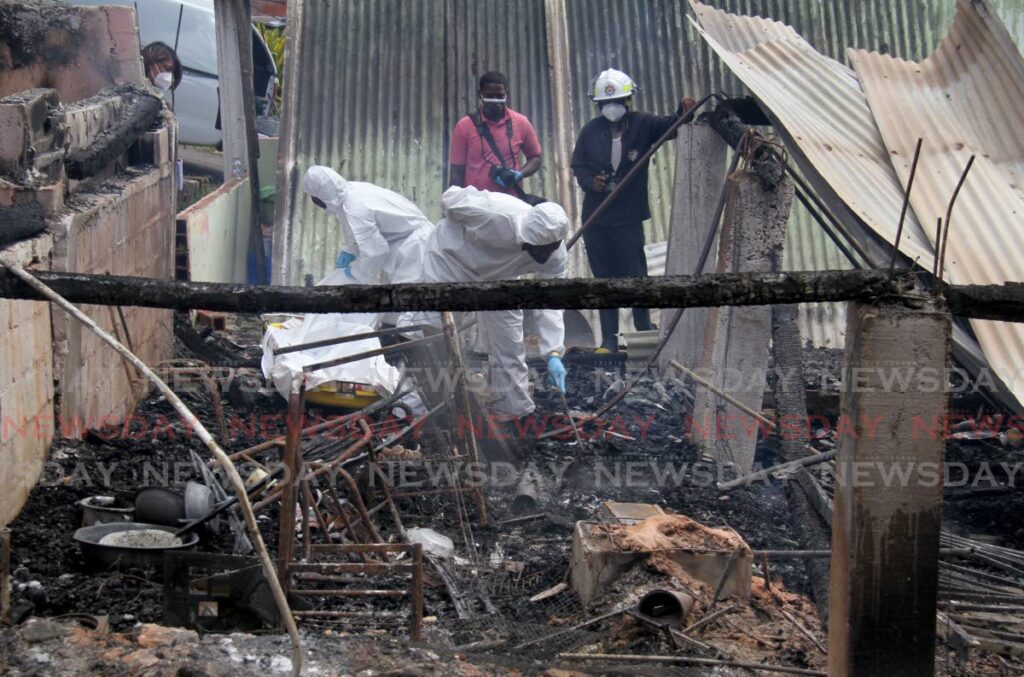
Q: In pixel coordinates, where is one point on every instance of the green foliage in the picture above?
(274, 37)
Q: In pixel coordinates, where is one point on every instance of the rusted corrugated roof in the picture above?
(948, 99)
(965, 99)
(818, 107)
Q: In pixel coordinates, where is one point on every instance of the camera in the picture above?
(503, 176)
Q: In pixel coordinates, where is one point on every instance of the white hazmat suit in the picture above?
(481, 239)
(384, 231)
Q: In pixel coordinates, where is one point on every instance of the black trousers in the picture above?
(617, 251)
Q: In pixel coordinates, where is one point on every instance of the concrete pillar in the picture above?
(736, 339)
(888, 503)
(700, 170)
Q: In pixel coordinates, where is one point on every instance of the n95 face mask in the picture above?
(613, 112)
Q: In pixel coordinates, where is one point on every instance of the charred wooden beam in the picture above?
(989, 302)
(681, 291)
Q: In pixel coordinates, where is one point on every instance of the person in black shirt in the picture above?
(607, 149)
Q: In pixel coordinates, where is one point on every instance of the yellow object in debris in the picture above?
(335, 394)
(342, 395)
(602, 351)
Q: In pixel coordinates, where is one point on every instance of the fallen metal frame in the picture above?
(324, 572)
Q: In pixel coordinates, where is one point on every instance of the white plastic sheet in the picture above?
(284, 370)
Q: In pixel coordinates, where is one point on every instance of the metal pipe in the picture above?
(357, 500)
(299, 347)
(397, 348)
(350, 593)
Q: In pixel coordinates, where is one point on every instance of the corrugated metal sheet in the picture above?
(365, 94)
(382, 82)
(818, 107)
(818, 103)
(964, 100)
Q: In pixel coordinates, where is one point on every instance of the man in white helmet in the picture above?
(608, 147)
(487, 236)
(383, 231)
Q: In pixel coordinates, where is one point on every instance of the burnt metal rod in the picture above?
(637, 168)
(578, 626)
(857, 246)
(397, 348)
(723, 578)
(707, 619)
(687, 660)
(949, 214)
(823, 554)
(299, 347)
(792, 465)
(906, 206)
(828, 227)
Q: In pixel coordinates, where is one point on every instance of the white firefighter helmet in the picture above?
(611, 85)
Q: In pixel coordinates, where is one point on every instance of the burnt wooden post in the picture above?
(885, 528)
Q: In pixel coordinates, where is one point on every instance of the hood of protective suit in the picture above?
(486, 218)
(543, 224)
(326, 185)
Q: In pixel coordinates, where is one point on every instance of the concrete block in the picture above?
(156, 148)
(25, 128)
(737, 339)
(598, 560)
(85, 119)
(888, 501)
(700, 171)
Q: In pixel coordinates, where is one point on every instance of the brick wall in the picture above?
(123, 227)
(26, 386)
(94, 48)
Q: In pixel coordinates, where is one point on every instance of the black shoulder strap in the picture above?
(485, 134)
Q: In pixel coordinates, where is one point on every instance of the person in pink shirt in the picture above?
(488, 144)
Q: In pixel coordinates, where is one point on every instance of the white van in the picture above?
(188, 26)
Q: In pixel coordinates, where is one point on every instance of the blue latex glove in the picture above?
(556, 372)
(344, 260)
(348, 271)
(502, 178)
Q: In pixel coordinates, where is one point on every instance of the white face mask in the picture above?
(163, 80)
(613, 112)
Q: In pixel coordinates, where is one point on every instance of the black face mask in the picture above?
(493, 111)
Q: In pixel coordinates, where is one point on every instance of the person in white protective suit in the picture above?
(384, 232)
(489, 236)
